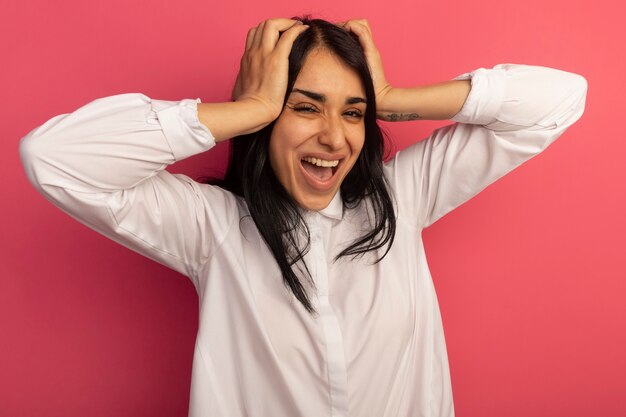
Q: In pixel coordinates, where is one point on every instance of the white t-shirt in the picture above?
(377, 347)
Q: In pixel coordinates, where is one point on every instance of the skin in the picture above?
(331, 127)
(258, 99)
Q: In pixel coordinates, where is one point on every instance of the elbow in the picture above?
(28, 148)
(32, 154)
(577, 88)
(28, 151)
(577, 96)
(580, 83)
(581, 88)
(568, 104)
(36, 147)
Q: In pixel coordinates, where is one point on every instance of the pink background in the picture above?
(530, 273)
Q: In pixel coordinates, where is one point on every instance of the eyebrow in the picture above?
(322, 98)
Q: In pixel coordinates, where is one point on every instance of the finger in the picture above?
(274, 27)
(360, 25)
(236, 88)
(362, 32)
(362, 22)
(281, 24)
(258, 35)
(356, 25)
(250, 38)
(285, 43)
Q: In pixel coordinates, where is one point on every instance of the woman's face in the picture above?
(318, 136)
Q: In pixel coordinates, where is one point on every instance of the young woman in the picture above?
(315, 293)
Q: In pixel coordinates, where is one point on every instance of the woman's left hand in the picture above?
(440, 101)
(361, 28)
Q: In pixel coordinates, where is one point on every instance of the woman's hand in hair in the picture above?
(440, 101)
(263, 70)
(261, 84)
(361, 28)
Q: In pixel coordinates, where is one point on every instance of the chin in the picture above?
(315, 203)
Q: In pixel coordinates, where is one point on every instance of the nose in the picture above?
(332, 133)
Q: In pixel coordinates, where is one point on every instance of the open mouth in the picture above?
(320, 174)
(321, 169)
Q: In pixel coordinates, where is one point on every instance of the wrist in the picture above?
(385, 98)
(262, 111)
(398, 105)
(233, 118)
(440, 101)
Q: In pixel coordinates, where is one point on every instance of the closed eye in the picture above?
(304, 109)
(354, 114)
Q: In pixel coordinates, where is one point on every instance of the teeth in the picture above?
(321, 162)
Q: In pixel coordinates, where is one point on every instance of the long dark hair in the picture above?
(275, 213)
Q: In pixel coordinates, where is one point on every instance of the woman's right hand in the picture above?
(263, 70)
(259, 92)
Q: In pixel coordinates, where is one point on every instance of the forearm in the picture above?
(112, 143)
(440, 101)
(230, 119)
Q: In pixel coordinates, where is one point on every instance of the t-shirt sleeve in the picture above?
(512, 113)
(104, 165)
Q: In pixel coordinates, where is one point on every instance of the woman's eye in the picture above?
(304, 109)
(355, 114)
